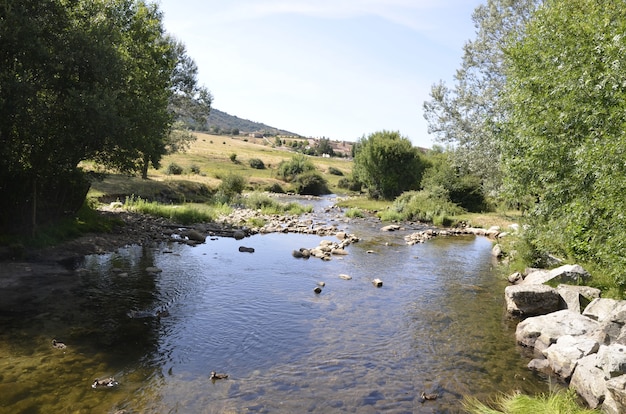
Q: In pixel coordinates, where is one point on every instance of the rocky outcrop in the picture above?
(424, 235)
(531, 300)
(531, 293)
(587, 349)
(327, 248)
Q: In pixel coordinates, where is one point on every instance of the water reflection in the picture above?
(436, 325)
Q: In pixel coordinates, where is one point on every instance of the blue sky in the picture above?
(339, 69)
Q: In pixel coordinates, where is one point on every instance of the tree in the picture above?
(387, 164)
(566, 143)
(79, 80)
(468, 115)
(324, 147)
(441, 177)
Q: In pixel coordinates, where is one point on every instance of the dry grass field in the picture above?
(210, 156)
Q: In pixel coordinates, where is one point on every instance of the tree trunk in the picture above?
(144, 167)
(34, 211)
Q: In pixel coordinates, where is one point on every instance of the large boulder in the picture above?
(602, 309)
(531, 300)
(563, 355)
(569, 274)
(588, 381)
(577, 298)
(612, 360)
(540, 332)
(615, 402)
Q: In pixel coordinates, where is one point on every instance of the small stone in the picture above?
(153, 269)
(322, 284)
(377, 282)
(345, 277)
(317, 290)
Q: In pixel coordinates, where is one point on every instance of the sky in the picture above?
(339, 69)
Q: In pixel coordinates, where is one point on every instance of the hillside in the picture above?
(220, 121)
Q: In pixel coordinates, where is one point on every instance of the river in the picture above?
(437, 325)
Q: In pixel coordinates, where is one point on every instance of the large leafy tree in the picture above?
(566, 141)
(467, 116)
(79, 80)
(388, 164)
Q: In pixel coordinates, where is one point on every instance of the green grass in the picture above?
(184, 214)
(86, 220)
(354, 213)
(561, 402)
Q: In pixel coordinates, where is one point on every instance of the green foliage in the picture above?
(288, 170)
(354, 213)
(275, 188)
(194, 169)
(467, 115)
(232, 185)
(565, 143)
(463, 189)
(555, 403)
(174, 169)
(311, 183)
(387, 164)
(390, 215)
(349, 184)
(269, 205)
(184, 214)
(324, 147)
(426, 206)
(256, 163)
(233, 157)
(86, 220)
(335, 171)
(80, 80)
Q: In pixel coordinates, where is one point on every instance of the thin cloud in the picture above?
(408, 13)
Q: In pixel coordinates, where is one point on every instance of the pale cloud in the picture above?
(408, 13)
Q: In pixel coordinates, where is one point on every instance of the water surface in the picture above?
(437, 325)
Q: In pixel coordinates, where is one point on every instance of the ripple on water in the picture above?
(435, 325)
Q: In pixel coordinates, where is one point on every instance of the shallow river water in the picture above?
(436, 325)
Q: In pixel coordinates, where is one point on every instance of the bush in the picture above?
(426, 206)
(174, 169)
(275, 188)
(311, 183)
(288, 170)
(194, 169)
(354, 213)
(233, 157)
(256, 163)
(232, 185)
(335, 171)
(349, 184)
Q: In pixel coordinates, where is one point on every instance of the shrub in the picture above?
(174, 169)
(311, 183)
(256, 163)
(354, 213)
(335, 171)
(275, 188)
(233, 157)
(194, 169)
(349, 184)
(232, 184)
(426, 206)
(288, 170)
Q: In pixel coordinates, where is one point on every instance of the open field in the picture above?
(210, 155)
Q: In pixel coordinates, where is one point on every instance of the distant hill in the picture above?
(222, 122)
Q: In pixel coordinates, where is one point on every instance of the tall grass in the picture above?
(269, 205)
(423, 206)
(559, 402)
(184, 214)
